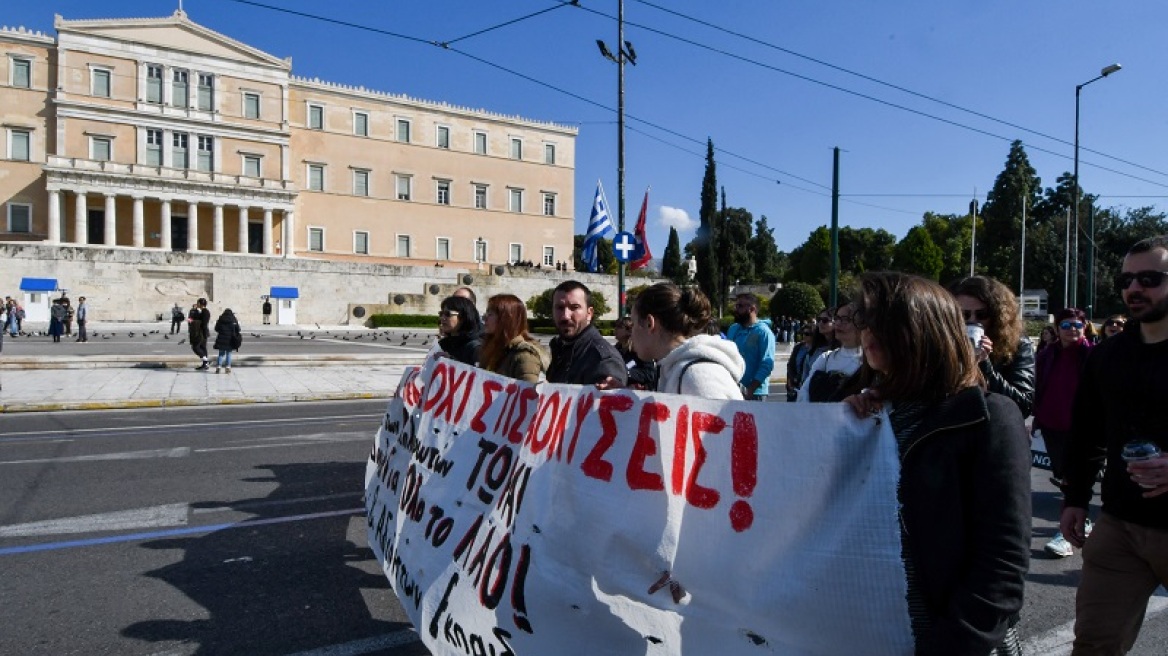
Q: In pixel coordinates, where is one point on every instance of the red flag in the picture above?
(639, 233)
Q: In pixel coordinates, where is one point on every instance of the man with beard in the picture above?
(580, 354)
(756, 345)
(1121, 400)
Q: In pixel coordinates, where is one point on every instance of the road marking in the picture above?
(174, 514)
(157, 427)
(190, 530)
(177, 452)
(16, 441)
(1057, 641)
(272, 446)
(234, 507)
(367, 645)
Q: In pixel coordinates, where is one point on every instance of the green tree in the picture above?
(917, 253)
(999, 235)
(950, 232)
(810, 260)
(765, 253)
(796, 299)
(734, 246)
(705, 241)
(604, 255)
(865, 249)
(671, 264)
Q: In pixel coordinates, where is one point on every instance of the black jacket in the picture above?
(642, 373)
(464, 348)
(965, 498)
(228, 336)
(200, 324)
(1013, 379)
(586, 359)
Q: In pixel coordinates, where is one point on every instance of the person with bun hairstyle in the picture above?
(669, 326)
(507, 348)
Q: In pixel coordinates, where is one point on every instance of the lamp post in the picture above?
(624, 52)
(1107, 70)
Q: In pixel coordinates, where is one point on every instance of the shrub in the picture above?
(796, 299)
(402, 321)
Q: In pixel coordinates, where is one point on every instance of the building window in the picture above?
(549, 256)
(404, 182)
(19, 217)
(180, 88)
(101, 149)
(101, 82)
(516, 253)
(516, 204)
(205, 158)
(549, 153)
(316, 177)
(443, 139)
(443, 252)
(403, 245)
(20, 145)
(251, 105)
(315, 117)
(154, 84)
(361, 124)
(206, 91)
(480, 143)
(360, 183)
(251, 166)
(443, 195)
(179, 142)
(516, 148)
(21, 74)
(403, 130)
(480, 197)
(549, 204)
(316, 240)
(361, 242)
(154, 147)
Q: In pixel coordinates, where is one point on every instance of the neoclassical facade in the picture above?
(162, 134)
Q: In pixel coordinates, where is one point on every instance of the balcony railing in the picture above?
(165, 173)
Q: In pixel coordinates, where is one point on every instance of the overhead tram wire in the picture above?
(890, 85)
(446, 44)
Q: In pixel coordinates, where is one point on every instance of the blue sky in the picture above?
(1017, 62)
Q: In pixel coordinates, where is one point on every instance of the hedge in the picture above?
(402, 321)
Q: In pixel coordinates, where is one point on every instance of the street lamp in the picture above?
(1107, 70)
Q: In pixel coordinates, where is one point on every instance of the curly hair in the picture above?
(1005, 326)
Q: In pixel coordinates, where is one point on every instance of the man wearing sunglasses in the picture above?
(1123, 396)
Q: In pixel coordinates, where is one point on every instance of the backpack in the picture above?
(236, 337)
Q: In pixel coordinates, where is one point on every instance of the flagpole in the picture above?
(620, 146)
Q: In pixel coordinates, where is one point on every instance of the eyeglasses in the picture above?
(446, 314)
(982, 314)
(1068, 325)
(823, 319)
(1113, 322)
(844, 319)
(1147, 279)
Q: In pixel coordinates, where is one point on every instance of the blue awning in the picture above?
(38, 284)
(285, 292)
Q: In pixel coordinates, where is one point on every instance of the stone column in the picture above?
(139, 223)
(217, 229)
(54, 217)
(111, 220)
(167, 237)
(289, 232)
(80, 212)
(267, 231)
(192, 227)
(242, 228)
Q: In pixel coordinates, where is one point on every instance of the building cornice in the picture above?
(25, 35)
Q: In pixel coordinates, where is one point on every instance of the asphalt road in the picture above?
(120, 532)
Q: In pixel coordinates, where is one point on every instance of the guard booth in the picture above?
(37, 295)
(284, 300)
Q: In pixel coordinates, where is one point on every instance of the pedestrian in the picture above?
(826, 376)
(756, 344)
(57, 314)
(1005, 356)
(1113, 326)
(228, 338)
(199, 329)
(1120, 400)
(1048, 337)
(461, 330)
(82, 318)
(797, 362)
(507, 348)
(964, 488)
(580, 354)
(68, 315)
(11, 317)
(19, 318)
(467, 293)
(642, 372)
(176, 319)
(267, 310)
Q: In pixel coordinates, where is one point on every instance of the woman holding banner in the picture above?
(507, 348)
(965, 468)
(460, 329)
(669, 327)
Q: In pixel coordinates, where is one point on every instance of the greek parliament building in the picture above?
(149, 161)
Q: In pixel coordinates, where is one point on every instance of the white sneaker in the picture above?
(1059, 547)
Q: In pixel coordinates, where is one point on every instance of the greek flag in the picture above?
(599, 227)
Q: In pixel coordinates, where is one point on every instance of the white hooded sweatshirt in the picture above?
(714, 372)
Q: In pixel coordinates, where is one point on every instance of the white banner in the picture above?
(515, 519)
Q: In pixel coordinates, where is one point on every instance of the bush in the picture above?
(796, 299)
(402, 321)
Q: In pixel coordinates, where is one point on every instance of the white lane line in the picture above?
(245, 507)
(272, 446)
(22, 442)
(1057, 641)
(240, 422)
(174, 514)
(365, 646)
(177, 452)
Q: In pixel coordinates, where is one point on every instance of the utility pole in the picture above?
(1022, 254)
(833, 295)
(973, 233)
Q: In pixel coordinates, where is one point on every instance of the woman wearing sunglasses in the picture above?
(1004, 354)
(1113, 326)
(1059, 369)
(460, 329)
(828, 372)
(964, 483)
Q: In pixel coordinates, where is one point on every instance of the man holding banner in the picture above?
(580, 354)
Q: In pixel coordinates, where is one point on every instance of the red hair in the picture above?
(510, 322)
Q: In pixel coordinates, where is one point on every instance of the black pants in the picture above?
(1056, 446)
(200, 348)
(81, 336)
(175, 325)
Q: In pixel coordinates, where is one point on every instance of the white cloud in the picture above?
(676, 217)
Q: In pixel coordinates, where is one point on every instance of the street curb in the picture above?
(131, 404)
(186, 361)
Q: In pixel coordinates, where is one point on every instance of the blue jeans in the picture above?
(225, 358)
